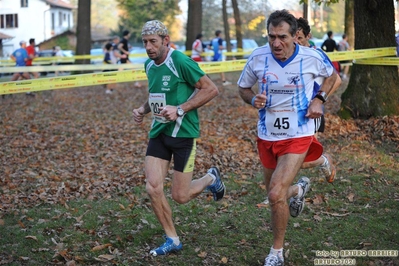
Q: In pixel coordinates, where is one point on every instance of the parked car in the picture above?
(248, 45)
(138, 55)
(318, 42)
(49, 53)
(97, 52)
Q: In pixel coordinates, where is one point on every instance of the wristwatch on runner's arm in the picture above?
(322, 96)
(180, 112)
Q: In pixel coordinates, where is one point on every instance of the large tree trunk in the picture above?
(305, 10)
(372, 90)
(226, 27)
(349, 22)
(194, 21)
(238, 25)
(83, 33)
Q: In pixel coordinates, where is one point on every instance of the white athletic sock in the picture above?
(277, 252)
(325, 161)
(176, 240)
(300, 192)
(213, 177)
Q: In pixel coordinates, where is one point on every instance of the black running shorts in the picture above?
(182, 149)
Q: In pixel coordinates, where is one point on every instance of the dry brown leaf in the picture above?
(105, 258)
(202, 254)
(318, 199)
(31, 237)
(224, 260)
(336, 214)
(21, 224)
(70, 263)
(317, 218)
(350, 197)
(101, 247)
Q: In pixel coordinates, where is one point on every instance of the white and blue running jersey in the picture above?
(289, 88)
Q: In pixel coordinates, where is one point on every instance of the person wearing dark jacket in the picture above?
(330, 45)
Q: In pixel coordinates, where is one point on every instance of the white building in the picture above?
(38, 19)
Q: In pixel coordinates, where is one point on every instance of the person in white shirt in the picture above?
(197, 48)
(343, 45)
(284, 73)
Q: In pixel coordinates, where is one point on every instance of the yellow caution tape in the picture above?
(360, 54)
(225, 66)
(71, 68)
(69, 59)
(384, 61)
(53, 83)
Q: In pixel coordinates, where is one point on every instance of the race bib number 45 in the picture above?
(281, 122)
(157, 100)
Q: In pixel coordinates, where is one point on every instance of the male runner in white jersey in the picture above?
(285, 73)
(177, 87)
(325, 162)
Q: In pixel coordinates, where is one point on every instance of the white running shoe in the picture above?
(273, 260)
(297, 205)
(328, 168)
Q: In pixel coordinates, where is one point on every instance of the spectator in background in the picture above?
(197, 48)
(124, 50)
(108, 60)
(58, 53)
(32, 54)
(343, 46)
(20, 56)
(397, 44)
(217, 47)
(123, 47)
(116, 55)
(330, 45)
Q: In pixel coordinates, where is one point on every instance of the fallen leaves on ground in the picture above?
(82, 143)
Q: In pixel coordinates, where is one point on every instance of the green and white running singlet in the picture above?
(172, 83)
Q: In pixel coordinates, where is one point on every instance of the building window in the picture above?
(52, 21)
(9, 21)
(59, 18)
(24, 3)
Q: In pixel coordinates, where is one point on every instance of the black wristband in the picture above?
(321, 98)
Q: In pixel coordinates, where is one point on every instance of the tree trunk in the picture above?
(372, 90)
(238, 25)
(349, 22)
(305, 10)
(226, 27)
(83, 33)
(194, 22)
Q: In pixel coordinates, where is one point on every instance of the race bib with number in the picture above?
(281, 122)
(157, 100)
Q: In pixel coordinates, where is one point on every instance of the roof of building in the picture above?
(60, 3)
(5, 36)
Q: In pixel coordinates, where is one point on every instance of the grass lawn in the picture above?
(72, 187)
